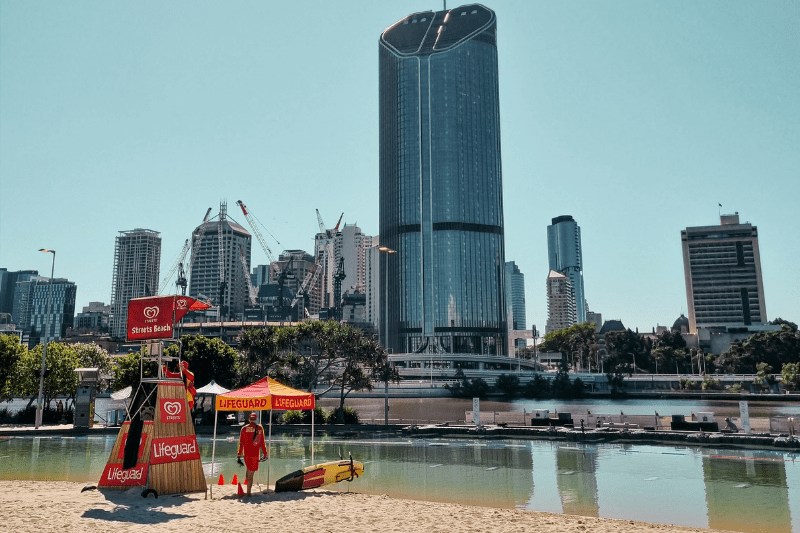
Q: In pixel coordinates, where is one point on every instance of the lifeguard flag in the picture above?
(154, 317)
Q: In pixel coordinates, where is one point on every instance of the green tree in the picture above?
(771, 347)
(790, 373)
(129, 370)
(575, 343)
(508, 385)
(10, 353)
(210, 359)
(264, 352)
(60, 378)
(628, 347)
(93, 356)
(764, 376)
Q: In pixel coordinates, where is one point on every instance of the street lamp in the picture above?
(40, 400)
(389, 251)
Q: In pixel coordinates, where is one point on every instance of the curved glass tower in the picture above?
(565, 256)
(441, 205)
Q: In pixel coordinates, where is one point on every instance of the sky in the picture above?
(636, 118)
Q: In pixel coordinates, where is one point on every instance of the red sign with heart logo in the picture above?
(172, 410)
(154, 317)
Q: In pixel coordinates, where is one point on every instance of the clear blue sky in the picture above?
(635, 117)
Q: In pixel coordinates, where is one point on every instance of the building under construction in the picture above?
(220, 265)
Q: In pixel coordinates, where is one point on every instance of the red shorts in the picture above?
(251, 462)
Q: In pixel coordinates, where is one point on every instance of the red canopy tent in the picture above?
(265, 394)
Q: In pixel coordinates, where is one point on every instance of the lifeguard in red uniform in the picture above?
(252, 446)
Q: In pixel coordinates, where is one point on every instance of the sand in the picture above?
(61, 506)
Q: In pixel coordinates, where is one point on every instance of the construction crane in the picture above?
(312, 276)
(201, 231)
(257, 233)
(181, 282)
(338, 277)
(251, 291)
(178, 262)
(223, 208)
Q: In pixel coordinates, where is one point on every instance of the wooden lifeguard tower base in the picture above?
(168, 458)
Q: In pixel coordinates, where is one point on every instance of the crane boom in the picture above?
(257, 233)
(172, 270)
(201, 231)
(251, 291)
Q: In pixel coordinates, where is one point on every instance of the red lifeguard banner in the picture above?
(263, 395)
(154, 317)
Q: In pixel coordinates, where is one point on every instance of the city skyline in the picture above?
(636, 119)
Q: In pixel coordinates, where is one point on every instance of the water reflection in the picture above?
(760, 483)
(736, 490)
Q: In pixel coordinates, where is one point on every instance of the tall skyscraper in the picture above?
(8, 284)
(137, 260)
(722, 268)
(565, 256)
(515, 298)
(441, 196)
(560, 302)
(217, 273)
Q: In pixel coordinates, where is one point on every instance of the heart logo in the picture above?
(172, 408)
(181, 304)
(151, 312)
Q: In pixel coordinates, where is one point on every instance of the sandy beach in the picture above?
(61, 506)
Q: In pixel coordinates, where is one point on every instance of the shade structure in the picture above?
(212, 388)
(264, 395)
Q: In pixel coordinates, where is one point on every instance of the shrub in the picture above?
(710, 383)
(538, 387)
(293, 417)
(350, 416)
(735, 388)
(507, 385)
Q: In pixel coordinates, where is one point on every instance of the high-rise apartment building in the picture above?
(722, 268)
(93, 317)
(515, 298)
(137, 260)
(441, 196)
(217, 273)
(346, 249)
(560, 302)
(564, 255)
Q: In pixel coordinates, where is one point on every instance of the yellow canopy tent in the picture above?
(265, 394)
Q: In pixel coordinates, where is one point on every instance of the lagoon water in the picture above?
(739, 490)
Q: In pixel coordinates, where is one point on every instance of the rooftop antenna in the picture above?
(444, 2)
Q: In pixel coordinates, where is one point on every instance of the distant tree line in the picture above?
(338, 356)
(628, 352)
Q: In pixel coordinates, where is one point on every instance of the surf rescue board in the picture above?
(320, 475)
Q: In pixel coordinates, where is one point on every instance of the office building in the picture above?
(560, 302)
(218, 274)
(8, 284)
(564, 255)
(515, 300)
(441, 195)
(52, 309)
(94, 317)
(288, 273)
(137, 260)
(722, 269)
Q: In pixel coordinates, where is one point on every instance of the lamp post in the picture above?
(389, 252)
(40, 401)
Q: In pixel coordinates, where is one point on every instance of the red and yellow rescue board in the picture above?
(320, 475)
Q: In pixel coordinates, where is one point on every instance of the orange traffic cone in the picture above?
(240, 492)
(221, 481)
(235, 481)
